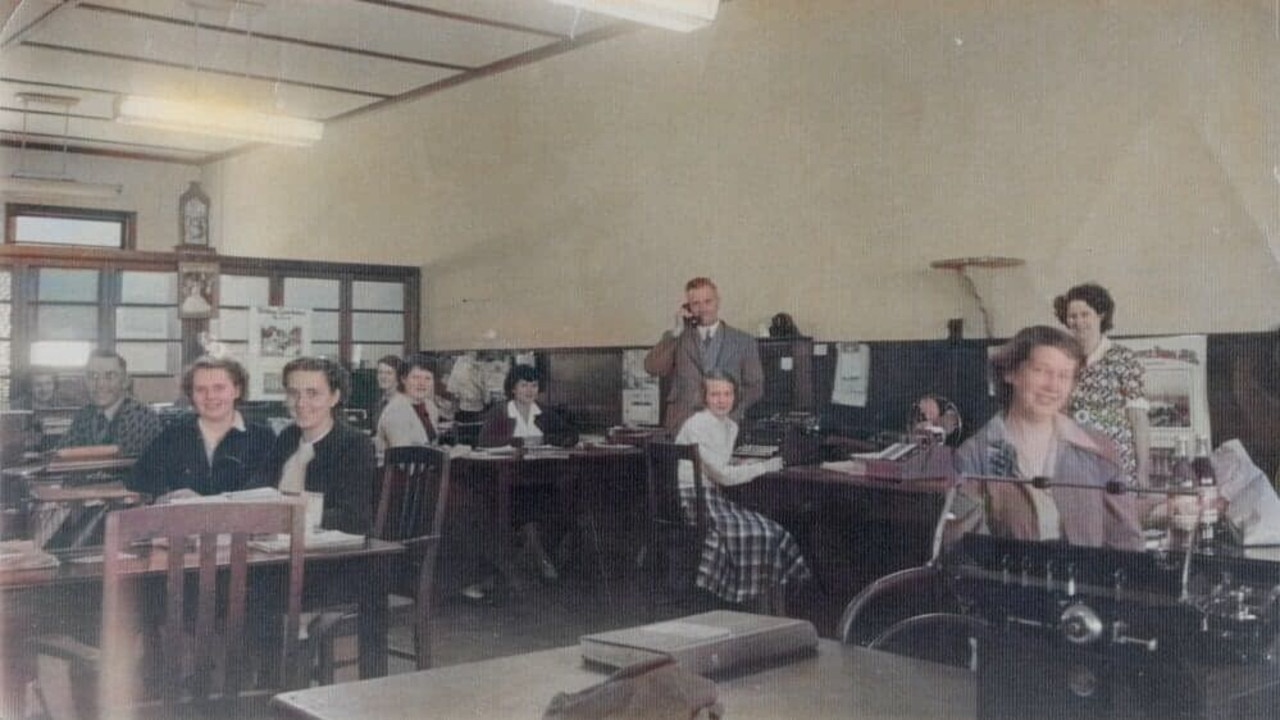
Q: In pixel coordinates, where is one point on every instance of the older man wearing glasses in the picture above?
(112, 417)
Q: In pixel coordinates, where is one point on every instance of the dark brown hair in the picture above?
(1091, 294)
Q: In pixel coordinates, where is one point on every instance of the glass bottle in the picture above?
(1184, 507)
(1207, 481)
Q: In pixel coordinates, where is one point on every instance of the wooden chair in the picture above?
(411, 511)
(674, 544)
(208, 635)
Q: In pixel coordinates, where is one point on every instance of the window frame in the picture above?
(22, 259)
(126, 219)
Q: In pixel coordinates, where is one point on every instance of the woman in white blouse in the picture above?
(746, 557)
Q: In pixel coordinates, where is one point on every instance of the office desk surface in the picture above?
(841, 681)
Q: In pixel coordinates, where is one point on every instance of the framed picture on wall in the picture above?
(197, 290)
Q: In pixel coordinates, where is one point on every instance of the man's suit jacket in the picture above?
(680, 358)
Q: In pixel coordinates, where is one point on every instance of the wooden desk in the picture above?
(586, 480)
(35, 601)
(841, 681)
(851, 528)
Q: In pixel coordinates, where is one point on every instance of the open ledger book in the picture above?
(316, 538)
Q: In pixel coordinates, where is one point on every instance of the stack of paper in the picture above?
(316, 539)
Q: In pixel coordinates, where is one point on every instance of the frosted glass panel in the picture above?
(148, 288)
(149, 358)
(6, 286)
(231, 325)
(69, 285)
(67, 322)
(366, 355)
(377, 295)
(328, 350)
(244, 291)
(6, 320)
(68, 231)
(146, 323)
(6, 359)
(237, 350)
(377, 327)
(60, 353)
(311, 293)
(324, 326)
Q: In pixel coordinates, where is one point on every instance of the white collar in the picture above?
(1104, 345)
(514, 414)
(237, 422)
(709, 331)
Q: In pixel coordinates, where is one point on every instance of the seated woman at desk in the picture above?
(746, 557)
(322, 453)
(1031, 437)
(388, 377)
(213, 451)
(521, 418)
(412, 416)
(522, 421)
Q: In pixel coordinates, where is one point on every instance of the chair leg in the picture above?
(422, 634)
(325, 664)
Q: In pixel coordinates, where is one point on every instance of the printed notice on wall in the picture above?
(853, 364)
(276, 336)
(641, 398)
(1175, 383)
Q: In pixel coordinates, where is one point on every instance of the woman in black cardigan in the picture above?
(177, 463)
(320, 452)
(521, 421)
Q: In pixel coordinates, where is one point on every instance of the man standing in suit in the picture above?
(699, 343)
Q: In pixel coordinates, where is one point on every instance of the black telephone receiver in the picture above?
(691, 320)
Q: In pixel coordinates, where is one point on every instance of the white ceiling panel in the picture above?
(317, 59)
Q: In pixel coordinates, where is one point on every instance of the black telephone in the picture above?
(691, 320)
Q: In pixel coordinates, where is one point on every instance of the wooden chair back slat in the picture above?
(186, 662)
(411, 510)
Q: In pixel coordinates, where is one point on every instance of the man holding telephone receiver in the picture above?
(701, 342)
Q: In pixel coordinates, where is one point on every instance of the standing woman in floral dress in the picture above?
(1110, 395)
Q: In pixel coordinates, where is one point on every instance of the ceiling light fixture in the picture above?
(43, 184)
(682, 15)
(218, 120)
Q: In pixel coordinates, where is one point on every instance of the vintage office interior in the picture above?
(534, 181)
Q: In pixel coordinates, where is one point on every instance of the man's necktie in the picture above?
(100, 426)
(293, 478)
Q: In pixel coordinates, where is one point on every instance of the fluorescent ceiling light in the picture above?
(35, 185)
(217, 120)
(682, 15)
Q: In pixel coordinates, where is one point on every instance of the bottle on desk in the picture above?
(1184, 507)
(1207, 482)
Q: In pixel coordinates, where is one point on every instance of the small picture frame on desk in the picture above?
(197, 290)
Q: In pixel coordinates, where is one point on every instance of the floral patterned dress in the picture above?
(1103, 394)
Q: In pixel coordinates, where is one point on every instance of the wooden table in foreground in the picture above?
(841, 681)
(35, 601)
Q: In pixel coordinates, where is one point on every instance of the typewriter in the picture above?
(1081, 632)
